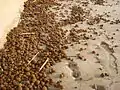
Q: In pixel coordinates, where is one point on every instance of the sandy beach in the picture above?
(98, 65)
(93, 41)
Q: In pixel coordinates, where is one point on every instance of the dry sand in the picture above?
(89, 72)
(9, 16)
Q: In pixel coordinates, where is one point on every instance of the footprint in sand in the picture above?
(111, 60)
(76, 73)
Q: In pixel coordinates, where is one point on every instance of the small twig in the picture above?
(43, 64)
(27, 33)
(71, 56)
(33, 58)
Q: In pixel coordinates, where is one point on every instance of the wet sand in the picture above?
(100, 70)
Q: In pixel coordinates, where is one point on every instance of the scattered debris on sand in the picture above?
(31, 57)
(33, 46)
(99, 2)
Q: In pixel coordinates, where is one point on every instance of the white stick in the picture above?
(43, 64)
(33, 58)
(27, 33)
